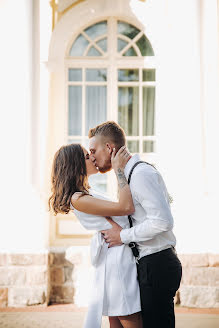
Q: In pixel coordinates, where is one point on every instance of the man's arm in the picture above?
(150, 193)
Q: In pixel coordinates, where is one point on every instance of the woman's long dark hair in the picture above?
(69, 174)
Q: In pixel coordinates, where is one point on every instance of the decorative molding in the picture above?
(60, 7)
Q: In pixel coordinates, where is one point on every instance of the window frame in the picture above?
(112, 61)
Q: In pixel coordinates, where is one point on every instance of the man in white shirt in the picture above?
(159, 269)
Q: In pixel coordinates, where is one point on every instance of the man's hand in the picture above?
(112, 236)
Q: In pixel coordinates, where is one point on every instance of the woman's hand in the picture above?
(120, 159)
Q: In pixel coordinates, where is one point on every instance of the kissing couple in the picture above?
(137, 271)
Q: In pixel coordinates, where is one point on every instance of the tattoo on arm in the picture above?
(121, 178)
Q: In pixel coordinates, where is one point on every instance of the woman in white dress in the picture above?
(116, 290)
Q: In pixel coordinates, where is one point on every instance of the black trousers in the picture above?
(159, 276)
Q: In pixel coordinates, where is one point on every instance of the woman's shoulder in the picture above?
(100, 195)
(76, 195)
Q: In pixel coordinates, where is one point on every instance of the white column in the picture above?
(23, 221)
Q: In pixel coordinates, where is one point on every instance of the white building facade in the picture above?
(153, 67)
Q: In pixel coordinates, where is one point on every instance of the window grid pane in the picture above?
(125, 75)
(93, 52)
(145, 46)
(127, 29)
(96, 30)
(103, 44)
(96, 110)
(74, 110)
(133, 146)
(148, 146)
(149, 75)
(79, 46)
(148, 110)
(130, 52)
(75, 74)
(99, 75)
(128, 108)
(121, 44)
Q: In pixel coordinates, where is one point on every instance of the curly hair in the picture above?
(69, 175)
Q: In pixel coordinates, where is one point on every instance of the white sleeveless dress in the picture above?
(115, 289)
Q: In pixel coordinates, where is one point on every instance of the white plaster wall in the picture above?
(187, 111)
(187, 114)
(186, 100)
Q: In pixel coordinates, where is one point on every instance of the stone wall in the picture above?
(61, 283)
(42, 279)
(23, 279)
(200, 281)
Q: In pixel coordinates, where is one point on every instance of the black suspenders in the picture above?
(132, 244)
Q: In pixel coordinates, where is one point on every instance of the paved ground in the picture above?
(70, 317)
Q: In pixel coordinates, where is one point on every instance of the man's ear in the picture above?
(109, 147)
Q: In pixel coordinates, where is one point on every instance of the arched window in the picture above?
(110, 70)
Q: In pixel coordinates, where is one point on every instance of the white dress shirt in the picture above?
(152, 219)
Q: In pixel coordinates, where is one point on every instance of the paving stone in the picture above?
(75, 320)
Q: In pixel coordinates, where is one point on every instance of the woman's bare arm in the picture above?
(124, 206)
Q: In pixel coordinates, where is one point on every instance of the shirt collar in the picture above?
(134, 159)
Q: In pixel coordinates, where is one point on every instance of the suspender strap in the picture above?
(133, 245)
(130, 174)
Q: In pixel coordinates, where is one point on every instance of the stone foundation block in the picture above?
(4, 279)
(3, 297)
(199, 296)
(208, 276)
(213, 260)
(57, 275)
(62, 294)
(37, 275)
(28, 259)
(194, 260)
(59, 259)
(3, 259)
(68, 274)
(16, 276)
(23, 296)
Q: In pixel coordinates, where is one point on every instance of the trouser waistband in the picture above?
(163, 252)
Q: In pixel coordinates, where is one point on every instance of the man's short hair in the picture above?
(111, 131)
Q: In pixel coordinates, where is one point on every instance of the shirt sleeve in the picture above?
(149, 190)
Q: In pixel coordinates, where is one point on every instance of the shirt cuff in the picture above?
(125, 235)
